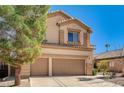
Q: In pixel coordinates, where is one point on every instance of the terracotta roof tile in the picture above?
(65, 20)
(110, 54)
(70, 19)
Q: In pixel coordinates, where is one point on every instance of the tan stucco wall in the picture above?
(72, 26)
(25, 70)
(89, 65)
(118, 64)
(52, 33)
(66, 52)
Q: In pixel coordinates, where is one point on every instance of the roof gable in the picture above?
(69, 21)
(52, 14)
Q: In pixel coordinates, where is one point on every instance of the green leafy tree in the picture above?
(103, 66)
(22, 30)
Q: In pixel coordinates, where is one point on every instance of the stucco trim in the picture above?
(63, 56)
(77, 22)
(65, 48)
(74, 30)
(56, 13)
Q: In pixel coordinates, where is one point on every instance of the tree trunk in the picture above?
(18, 75)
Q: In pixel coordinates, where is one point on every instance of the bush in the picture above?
(95, 65)
(94, 72)
(103, 66)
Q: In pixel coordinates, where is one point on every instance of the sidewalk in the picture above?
(10, 83)
(70, 81)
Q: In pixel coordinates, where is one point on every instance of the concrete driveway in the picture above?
(70, 81)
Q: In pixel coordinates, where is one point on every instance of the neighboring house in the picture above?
(115, 59)
(66, 49)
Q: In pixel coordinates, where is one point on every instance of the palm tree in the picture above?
(107, 46)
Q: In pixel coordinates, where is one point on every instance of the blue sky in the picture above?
(107, 23)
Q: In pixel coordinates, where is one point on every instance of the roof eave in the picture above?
(82, 24)
(59, 12)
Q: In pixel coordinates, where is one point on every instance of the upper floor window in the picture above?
(73, 36)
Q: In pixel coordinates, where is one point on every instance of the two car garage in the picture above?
(60, 67)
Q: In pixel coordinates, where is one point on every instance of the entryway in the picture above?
(3, 70)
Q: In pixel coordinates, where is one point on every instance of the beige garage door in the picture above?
(40, 67)
(68, 67)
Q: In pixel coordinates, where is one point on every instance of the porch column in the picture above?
(89, 66)
(50, 66)
(86, 39)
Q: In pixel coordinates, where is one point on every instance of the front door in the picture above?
(3, 70)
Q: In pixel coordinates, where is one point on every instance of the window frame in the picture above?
(74, 31)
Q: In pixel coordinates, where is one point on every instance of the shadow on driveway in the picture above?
(85, 79)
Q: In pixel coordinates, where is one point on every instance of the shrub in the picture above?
(103, 66)
(94, 71)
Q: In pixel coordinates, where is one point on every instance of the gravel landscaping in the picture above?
(117, 80)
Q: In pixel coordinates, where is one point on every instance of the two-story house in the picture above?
(66, 49)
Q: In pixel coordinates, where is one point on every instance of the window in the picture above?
(111, 64)
(70, 36)
(73, 37)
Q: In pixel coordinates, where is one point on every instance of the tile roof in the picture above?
(110, 54)
(73, 19)
(65, 20)
(70, 18)
(61, 12)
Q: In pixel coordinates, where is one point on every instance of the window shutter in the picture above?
(61, 37)
(85, 39)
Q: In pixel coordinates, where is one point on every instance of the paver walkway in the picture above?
(70, 81)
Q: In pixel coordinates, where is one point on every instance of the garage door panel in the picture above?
(40, 67)
(68, 67)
